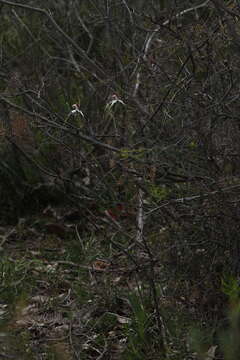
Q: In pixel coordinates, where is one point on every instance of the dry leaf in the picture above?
(100, 265)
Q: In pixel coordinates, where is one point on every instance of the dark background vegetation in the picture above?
(155, 181)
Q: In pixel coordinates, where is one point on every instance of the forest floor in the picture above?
(74, 286)
(69, 291)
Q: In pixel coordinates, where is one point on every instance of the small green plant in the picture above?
(134, 154)
(230, 287)
(227, 341)
(230, 336)
(13, 276)
(139, 342)
(200, 342)
(159, 192)
(192, 145)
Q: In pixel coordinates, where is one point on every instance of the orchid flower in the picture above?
(114, 99)
(76, 110)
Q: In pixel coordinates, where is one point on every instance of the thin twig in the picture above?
(5, 237)
(140, 223)
(151, 37)
(60, 30)
(192, 198)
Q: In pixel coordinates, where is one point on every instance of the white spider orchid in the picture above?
(76, 110)
(114, 99)
(114, 111)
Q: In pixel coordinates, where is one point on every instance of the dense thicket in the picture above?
(170, 154)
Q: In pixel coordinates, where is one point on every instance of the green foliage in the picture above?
(13, 278)
(133, 154)
(226, 339)
(200, 342)
(140, 316)
(230, 287)
(140, 342)
(159, 192)
(192, 145)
